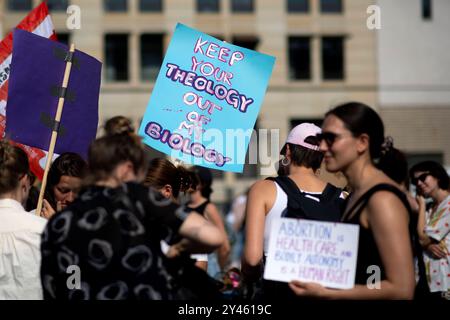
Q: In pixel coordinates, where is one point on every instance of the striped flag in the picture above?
(38, 22)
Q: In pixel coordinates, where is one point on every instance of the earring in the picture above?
(285, 161)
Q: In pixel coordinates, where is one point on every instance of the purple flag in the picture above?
(37, 71)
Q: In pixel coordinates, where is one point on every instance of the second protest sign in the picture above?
(312, 251)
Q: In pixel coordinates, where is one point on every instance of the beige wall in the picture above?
(419, 130)
(285, 99)
(414, 82)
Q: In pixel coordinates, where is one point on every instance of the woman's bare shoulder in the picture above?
(263, 186)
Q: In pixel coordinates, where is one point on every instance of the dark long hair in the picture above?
(359, 118)
(395, 165)
(204, 178)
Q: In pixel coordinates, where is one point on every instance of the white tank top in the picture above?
(275, 212)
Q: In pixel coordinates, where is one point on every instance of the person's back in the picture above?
(113, 235)
(20, 238)
(303, 196)
(314, 199)
(201, 203)
(106, 244)
(20, 231)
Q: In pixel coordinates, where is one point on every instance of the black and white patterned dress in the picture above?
(112, 236)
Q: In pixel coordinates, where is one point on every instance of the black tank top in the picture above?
(199, 209)
(368, 254)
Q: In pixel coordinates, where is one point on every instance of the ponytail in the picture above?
(393, 162)
(163, 172)
(204, 178)
(386, 151)
(187, 179)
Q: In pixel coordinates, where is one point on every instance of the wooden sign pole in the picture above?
(54, 133)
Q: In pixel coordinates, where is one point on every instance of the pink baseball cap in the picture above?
(299, 134)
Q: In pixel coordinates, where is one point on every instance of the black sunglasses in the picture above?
(329, 138)
(422, 178)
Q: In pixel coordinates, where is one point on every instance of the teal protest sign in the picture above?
(206, 100)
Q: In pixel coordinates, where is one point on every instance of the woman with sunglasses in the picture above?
(269, 200)
(433, 227)
(352, 138)
(20, 231)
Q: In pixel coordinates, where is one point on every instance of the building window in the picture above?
(331, 6)
(426, 9)
(248, 42)
(294, 6)
(299, 58)
(116, 57)
(151, 56)
(64, 38)
(19, 5)
(115, 5)
(150, 5)
(57, 5)
(207, 5)
(242, 5)
(333, 58)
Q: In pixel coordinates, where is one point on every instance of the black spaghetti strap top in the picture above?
(368, 254)
(199, 209)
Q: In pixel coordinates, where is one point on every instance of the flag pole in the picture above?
(55, 131)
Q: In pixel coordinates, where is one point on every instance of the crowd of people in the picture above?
(123, 226)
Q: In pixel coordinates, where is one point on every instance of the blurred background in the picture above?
(325, 54)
